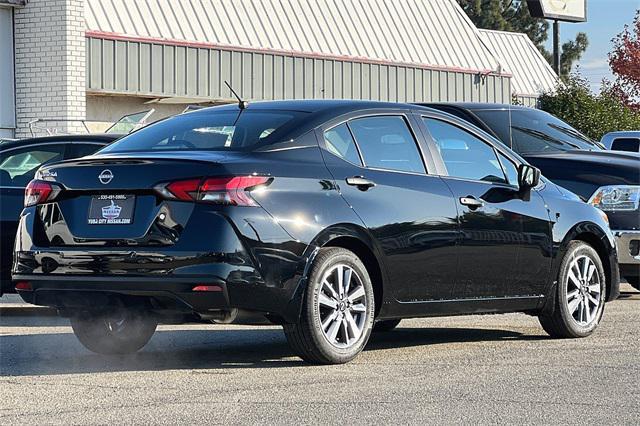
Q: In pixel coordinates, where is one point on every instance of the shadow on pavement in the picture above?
(61, 353)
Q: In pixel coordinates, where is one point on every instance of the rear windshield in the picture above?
(534, 131)
(626, 144)
(208, 131)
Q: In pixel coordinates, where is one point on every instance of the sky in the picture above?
(605, 19)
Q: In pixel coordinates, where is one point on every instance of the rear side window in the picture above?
(465, 155)
(626, 144)
(18, 166)
(77, 150)
(386, 142)
(340, 142)
(208, 131)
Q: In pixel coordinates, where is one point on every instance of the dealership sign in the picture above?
(561, 10)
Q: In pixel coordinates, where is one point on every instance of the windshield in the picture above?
(207, 131)
(129, 123)
(534, 131)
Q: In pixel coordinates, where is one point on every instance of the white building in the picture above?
(96, 60)
(532, 74)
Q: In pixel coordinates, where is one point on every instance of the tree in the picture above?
(625, 63)
(592, 114)
(572, 51)
(513, 15)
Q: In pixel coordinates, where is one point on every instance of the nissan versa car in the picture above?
(330, 218)
(609, 180)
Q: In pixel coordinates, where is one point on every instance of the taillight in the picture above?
(24, 286)
(185, 190)
(232, 191)
(38, 192)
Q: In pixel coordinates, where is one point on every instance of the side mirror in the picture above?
(528, 176)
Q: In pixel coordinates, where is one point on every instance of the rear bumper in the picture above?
(628, 244)
(165, 295)
(89, 292)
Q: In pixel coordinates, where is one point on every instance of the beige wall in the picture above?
(102, 111)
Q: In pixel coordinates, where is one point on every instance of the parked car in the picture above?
(608, 180)
(322, 216)
(622, 141)
(19, 160)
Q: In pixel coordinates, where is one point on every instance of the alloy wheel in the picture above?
(583, 289)
(342, 306)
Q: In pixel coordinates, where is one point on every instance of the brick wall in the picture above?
(50, 65)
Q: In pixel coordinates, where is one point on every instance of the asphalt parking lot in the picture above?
(475, 369)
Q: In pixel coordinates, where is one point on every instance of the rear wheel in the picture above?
(580, 294)
(337, 314)
(386, 325)
(111, 333)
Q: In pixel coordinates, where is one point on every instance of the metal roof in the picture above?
(532, 74)
(427, 33)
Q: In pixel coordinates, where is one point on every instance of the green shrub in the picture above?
(592, 114)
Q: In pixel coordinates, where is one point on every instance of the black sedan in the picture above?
(609, 180)
(19, 160)
(323, 216)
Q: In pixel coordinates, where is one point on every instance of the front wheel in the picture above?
(580, 294)
(337, 315)
(113, 333)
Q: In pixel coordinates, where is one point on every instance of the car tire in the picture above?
(385, 325)
(634, 282)
(114, 333)
(579, 295)
(336, 322)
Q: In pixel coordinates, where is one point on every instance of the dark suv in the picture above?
(322, 216)
(609, 180)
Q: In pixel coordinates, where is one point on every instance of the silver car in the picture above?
(622, 141)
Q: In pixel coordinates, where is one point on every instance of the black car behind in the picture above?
(19, 160)
(609, 180)
(321, 216)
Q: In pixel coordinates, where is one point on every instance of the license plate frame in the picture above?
(111, 209)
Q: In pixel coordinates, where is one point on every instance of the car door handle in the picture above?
(471, 202)
(362, 183)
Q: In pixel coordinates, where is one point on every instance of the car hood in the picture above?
(621, 167)
(621, 158)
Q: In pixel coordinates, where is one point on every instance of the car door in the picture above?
(504, 249)
(18, 166)
(378, 165)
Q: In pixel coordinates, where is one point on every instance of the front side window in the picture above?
(510, 169)
(339, 141)
(19, 166)
(387, 143)
(465, 155)
(208, 131)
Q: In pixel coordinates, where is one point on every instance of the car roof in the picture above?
(319, 110)
(97, 138)
(474, 106)
(312, 106)
(631, 133)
